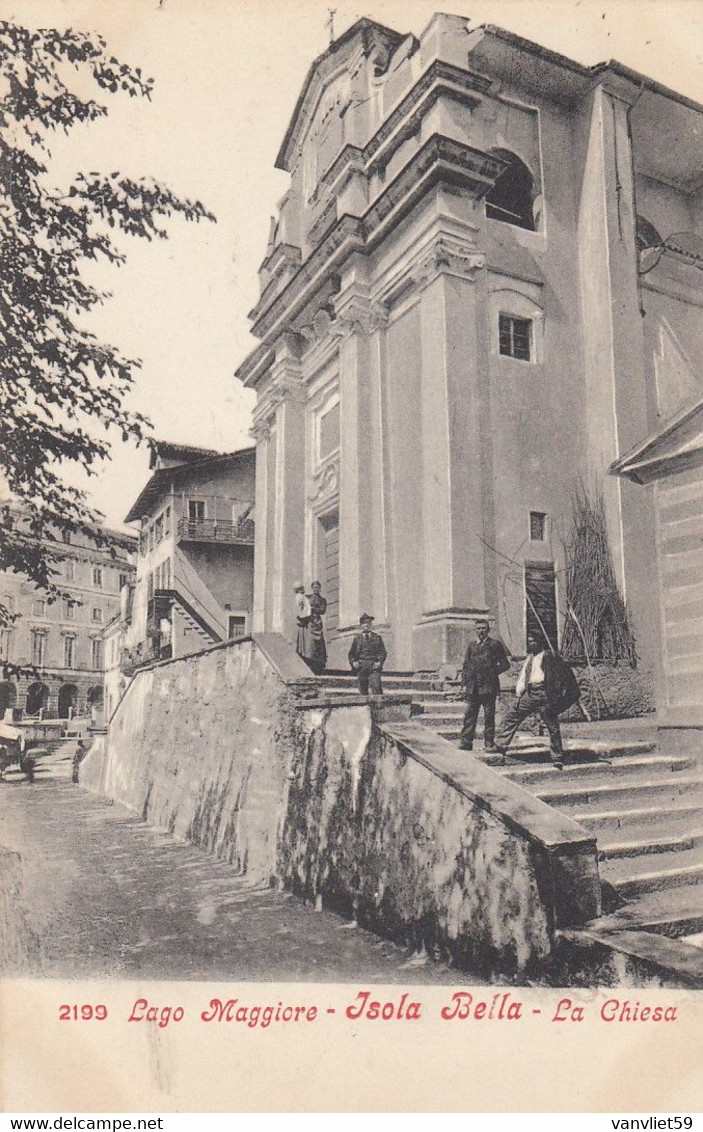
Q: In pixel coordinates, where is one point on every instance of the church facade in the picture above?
(482, 288)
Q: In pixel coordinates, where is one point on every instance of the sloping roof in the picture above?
(162, 478)
(181, 453)
(674, 447)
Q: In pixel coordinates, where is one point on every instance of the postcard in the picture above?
(351, 607)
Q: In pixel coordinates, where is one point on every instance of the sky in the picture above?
(227, 75)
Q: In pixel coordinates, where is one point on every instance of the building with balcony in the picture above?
(483, 286)
(52, 651)
(195, 565)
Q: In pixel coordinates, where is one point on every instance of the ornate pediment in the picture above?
(337, 77)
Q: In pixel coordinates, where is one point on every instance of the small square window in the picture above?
(39, 607)
(237, 626)
(97, 614)
(196, 510)
(538, 526)
(514, 337)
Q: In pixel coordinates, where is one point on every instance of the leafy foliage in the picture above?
(63, 391)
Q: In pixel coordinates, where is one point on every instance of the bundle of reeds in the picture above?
(597, 625)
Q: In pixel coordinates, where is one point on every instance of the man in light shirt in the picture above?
(546, 685)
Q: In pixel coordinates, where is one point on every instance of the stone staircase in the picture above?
(645, 807)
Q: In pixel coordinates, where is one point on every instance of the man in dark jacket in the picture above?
(366, 657)
(484, 661)
(546, 686)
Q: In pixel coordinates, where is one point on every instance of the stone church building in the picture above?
(482, 288)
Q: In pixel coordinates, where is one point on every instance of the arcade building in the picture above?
(56, 646)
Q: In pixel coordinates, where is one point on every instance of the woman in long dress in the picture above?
(302, 613)
(317, 649)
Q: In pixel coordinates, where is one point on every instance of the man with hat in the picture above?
(366, 657)
(484, 661)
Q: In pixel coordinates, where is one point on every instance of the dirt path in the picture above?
(90, 891)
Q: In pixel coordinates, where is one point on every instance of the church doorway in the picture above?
(329, 530)
(541, 601)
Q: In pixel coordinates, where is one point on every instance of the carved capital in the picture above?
(358, 314)
(449, 257)
(260, 430)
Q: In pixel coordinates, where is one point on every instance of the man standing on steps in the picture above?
(366, 657)
(484, 661)
(546, 686)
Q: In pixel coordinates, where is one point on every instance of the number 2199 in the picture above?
(84, 1013)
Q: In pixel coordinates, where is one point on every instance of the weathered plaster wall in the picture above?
(199, 747)
(397, 834)
(351, 803)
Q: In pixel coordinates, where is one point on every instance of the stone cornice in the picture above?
(255, 365)
(440, 79)
(286, 385)
(439, 161)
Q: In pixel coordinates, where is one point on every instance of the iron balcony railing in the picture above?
(240, 532)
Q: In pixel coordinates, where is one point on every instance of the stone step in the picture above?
(627, 795)
(407, 683)
(641, 820)
(675, 913)
(632, 876)
(438, 711)
(600, 771)
(619, 845)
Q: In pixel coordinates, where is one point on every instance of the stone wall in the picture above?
(349, 803)
(201, 746)
(389, 825)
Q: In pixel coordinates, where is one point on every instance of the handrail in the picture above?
(240, 531)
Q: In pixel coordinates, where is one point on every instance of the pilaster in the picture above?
(360, 322)
(614, 343)
(451, 279)
(279, 430)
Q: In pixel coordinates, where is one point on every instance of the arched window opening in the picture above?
(511, 199)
